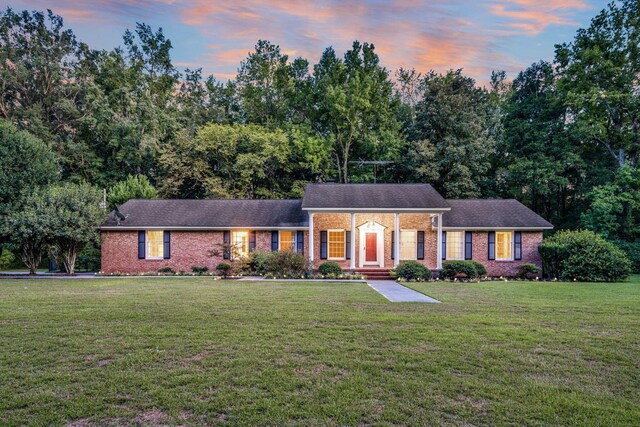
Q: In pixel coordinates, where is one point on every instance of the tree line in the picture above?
(561, 137)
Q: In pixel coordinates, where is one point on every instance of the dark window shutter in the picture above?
(141, 244)
(323, 245)
(300, 242)
(468, 245)
(393, 244)
(347, 244)
(167, 244)
(492, 245)
(226, 240)
(420, 245)
(252, 241)
(274, 241)
(517, 240)
(444, 245)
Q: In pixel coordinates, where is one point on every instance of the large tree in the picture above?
(600, 75)
(451, 144)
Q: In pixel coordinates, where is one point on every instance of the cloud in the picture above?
(533, 17)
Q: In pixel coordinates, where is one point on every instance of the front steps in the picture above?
(374, 273)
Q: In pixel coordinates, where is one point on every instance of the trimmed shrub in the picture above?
(480, 269)
(583, 256)
(223, 268)
(167, 270)
(528, 270)
(632, 249)
(453, 269)
(330, 267)
(287, 263)
(412, 270)
(199, 270)
(6, 258)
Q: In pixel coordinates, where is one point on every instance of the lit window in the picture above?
(240, 244)
(455, 245)
(336, 244)
(288, 241)
(408, 245)
(155, 244)
(504, 244)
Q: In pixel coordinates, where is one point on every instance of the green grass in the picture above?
(197, 351)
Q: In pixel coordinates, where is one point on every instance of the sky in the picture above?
(476, 35)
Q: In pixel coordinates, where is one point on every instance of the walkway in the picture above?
(395, 292)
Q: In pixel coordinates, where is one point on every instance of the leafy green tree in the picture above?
(600, 74)
(451, 144)
(25, 164)
(73, 215)
(134, 187)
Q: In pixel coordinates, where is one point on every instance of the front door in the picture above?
(371, 247)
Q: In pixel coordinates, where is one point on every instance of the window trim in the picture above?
(294, 242)
(148, 242)
(462, 245)
(415, 245)
(344, 242)
(511, 249)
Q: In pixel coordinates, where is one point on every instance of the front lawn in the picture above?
(198, 351)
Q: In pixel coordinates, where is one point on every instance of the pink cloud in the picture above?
(533, 16)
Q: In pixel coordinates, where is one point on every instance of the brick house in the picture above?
(360, 226)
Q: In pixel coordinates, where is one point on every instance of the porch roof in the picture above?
(373, 197)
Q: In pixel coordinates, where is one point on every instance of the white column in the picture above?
(352, 249)
(439, 248)
(311, 238)
(396, 240)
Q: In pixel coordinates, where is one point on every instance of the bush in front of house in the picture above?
(166, 270)
(583, 256)
(258, 262)
(199, 270)
(467, 269)
(528, 271)
(223, 268)
(632, 249)
(412, 271)
(330, 268)
(287, 264)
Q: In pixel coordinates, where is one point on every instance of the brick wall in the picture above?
(188, 248)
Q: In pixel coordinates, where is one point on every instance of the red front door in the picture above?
(371, 247)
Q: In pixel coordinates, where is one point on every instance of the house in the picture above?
(357, 225)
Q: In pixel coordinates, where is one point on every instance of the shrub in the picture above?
(632, 249)
(286, 263)
(199, 270)
(453, 269)
(584, 256)
(480, 268)
(223, 268)
(6, 258)
(167, 270)
(258, 262)
(330, 267)
(526, 271)
(412, 270)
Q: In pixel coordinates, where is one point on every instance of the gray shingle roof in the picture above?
(374, 196)
(212, 213)
(493, 213)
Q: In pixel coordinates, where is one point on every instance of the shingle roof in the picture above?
(212, 213)
(493, 213)
(373, 196)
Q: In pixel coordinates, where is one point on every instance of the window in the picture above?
(336, 244)
(408, 245)
(288, 241)
(455, 244)
(504, 245)
(240, 244)
(155, 244)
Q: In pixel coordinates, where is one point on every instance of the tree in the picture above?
(25, 164)
(134, 187)
(28, 230)
(74, 215)
(600, 74)
(451, 143)
(356, 107)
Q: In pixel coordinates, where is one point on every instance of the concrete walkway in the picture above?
(395, 292)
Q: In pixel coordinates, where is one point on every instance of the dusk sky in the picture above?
(476, 35)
